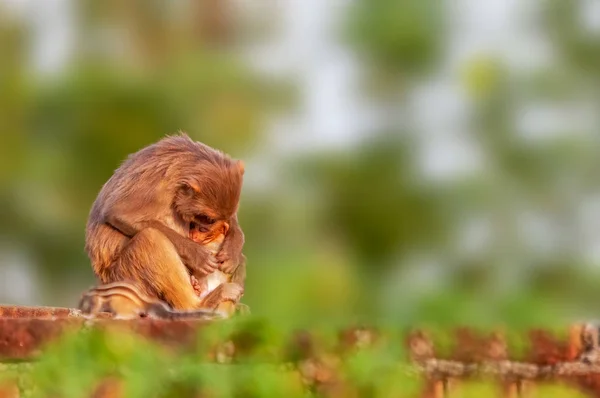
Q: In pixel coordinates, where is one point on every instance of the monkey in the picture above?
(124, 301)
(218, 290)
(138, 226)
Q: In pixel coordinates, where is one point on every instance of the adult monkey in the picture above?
(139, 224)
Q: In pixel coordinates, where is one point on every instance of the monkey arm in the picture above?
(225, 292)
(236, 237)
(231, 252)
(130, 228)
(119, 223)
(239, 275)
(196, 257)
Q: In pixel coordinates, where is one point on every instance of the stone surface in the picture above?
(23, 338)
(15, 311)
(176, 333)
(24, 331)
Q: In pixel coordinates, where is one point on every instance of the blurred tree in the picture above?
(371, 199)
(139, 72)
(398, 40)
(141, 69)
(523, 180)
(578, 42)
(14, 97)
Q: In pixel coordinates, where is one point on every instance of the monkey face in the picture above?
(204, 233)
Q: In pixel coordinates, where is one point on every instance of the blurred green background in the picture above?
(413, 161)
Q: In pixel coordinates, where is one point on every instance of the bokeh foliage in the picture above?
(356, 232)
(265, 364)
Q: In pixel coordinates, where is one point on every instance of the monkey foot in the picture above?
(232, 292)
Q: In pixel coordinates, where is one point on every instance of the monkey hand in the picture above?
(232, 292)
(199, 259)
(227, 262)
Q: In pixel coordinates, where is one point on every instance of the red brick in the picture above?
(15, 311)
(23, 338)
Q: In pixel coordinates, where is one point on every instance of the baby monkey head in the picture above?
(213, 233)
(209, 193)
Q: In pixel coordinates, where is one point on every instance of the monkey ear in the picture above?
(241, 166)
(190, 185)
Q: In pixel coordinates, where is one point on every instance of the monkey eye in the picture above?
(187, 190)
(204, 219)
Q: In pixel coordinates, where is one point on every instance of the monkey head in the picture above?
(208, 192)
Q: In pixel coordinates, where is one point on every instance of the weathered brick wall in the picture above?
(548, 359)
(466, 356)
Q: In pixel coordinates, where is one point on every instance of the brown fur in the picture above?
(123, 300)
(139, 224)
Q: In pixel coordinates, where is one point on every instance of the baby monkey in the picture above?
(218, 290)
(124, 301)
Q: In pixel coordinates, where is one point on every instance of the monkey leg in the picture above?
(150, 261)
(224, 298)
(227, 307)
